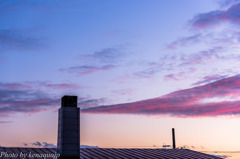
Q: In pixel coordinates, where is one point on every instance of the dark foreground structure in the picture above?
(88, 153)
(68, 146)
(68, 128)
(109, 153)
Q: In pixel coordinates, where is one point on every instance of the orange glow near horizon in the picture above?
(152, 131)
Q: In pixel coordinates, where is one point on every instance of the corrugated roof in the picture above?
(116, 153)
(111, 153)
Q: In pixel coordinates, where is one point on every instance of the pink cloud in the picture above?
(25, 101)
(192, 102)
(21, 98)
(214, 18)
(29, 97)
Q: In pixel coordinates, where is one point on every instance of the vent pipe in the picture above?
(68, 145)
(173, 138)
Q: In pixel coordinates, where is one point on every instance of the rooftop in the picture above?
(113, 153)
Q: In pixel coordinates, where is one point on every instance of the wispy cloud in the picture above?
(218, 98)
(38, 84)
(185, 41)
(37, 143)
(151, 69)
(173, 62)
(26, 98)
(60, 86)
(16, 86)
(107, 55)
(86, 70)
(86, 102)
(20, 40)
(5, 122)
(193, 59)
(216, 38)
(209, 79)
(180, 76)
(147, 73)
(41, 144)
(219, 46)
(202, 56)
(25, 101)
(216, 17)
(227, 3)
(124, 91)
(174, 77)
(49, 145)
(32, 97)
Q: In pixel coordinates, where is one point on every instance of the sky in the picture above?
(139, 69)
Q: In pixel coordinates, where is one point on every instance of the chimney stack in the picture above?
(68, 145)
(173, 138)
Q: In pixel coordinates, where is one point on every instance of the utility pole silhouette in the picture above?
(173, 138)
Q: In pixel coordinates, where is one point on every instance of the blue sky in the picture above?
(125, 60)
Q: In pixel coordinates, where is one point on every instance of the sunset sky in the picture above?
(139, 69)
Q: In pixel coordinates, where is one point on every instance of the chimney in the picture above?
(68, 145)
(173, 138)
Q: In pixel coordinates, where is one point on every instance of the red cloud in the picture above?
(193, 102)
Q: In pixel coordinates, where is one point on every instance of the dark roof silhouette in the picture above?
(116, 153)
(134, 153)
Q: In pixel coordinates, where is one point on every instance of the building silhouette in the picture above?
(68, 143)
